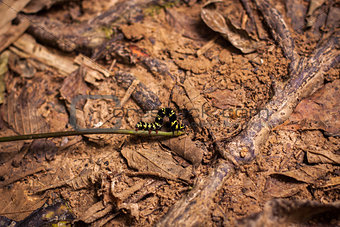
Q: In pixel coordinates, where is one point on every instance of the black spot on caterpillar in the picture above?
(175, 125)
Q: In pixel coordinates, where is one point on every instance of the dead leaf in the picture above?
(186, 148)
(190, 98)
(282, 189)
(307, 174)
(28, 161)
(225, 99)
(320, 111)
(156, 162)
(74, 85)
(331, 183)
(333, 18)
(238, 37)
(21, 111)
(296, 10)
(322, 156)
(21, 66)
(185, 22)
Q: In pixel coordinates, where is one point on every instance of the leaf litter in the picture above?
(99, 180)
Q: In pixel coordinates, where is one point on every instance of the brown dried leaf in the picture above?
(307, 174)
(236, 36)
(190, 98)
(185, 22)
(296, 10)
(311, 14)
(186, 148)
(27, 162)
(331, 183)
(320, 111)
(21, 66)
(225, 99)
(322, 156)
(20, 111)
(74, 85)
(154, 162)
(282, 189)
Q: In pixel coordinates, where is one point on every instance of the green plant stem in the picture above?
(88, 132)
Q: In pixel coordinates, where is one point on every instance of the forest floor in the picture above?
(128, 180)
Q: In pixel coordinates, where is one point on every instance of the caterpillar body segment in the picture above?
(175, 125)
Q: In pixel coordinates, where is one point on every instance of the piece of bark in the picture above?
(193, 209)
(35, 6)
(11, 32)
(31, 49)
(280, 31)
(66, 37)
(87, 36)
(9, 10)
(143, 96)
(96, 211)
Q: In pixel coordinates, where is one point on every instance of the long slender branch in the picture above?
(88, 132)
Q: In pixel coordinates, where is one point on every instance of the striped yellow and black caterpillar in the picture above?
(175, 125)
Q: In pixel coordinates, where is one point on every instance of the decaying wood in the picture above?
(191, 210)
(27, 47)
(279, 30)
(35, 6)
(84, 37)
(143, 96)
(306, 77)
(9, 10)
(9, 33)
